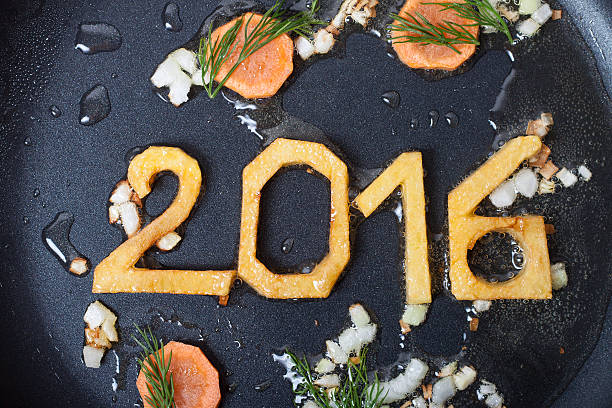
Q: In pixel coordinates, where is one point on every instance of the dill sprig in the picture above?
(274, 23)
(355, 391)
(420, 30)
(156, 370)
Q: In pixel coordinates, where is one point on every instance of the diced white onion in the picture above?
(494, 400)
(328, 381)
(353, 339)
(448, 369)
(108, 327)
(558, 275)
(130, 219)
(325, 366)
(122, 193)
(323, 41)
(168, 241)
(113, 213)
(92, 356)
(179, 89)
(359, 316)
(419, 402)
(528, 27)
(481, 305)
(96, 313)
(486, 388)
(336, 353)
(185, 58)
(542, 14)
(546, 186)
(584, 172)
(443, 390)
(528, 6)
(504, 195)
(310, 404)
(166, 73)
(526, 182)
(398, 388)
(414, 315)
(566, 177)
(464, 377)
(305, 48)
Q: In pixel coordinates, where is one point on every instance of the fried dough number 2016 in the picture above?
(406, 171)
(465, 228)
(319, 282)
(117, 272)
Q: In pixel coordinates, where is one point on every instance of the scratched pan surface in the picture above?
(74, 167)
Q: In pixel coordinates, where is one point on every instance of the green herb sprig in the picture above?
(418, 29)
(156, 370)
(355, 391)
(213, 54)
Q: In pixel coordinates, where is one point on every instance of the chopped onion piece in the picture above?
(122, 193)
(168, 241)
(526, 182)
(448, 369)
(486, 388)
(359, 316)
(528, 6)
(584, 172)
(328, 381)
(130, 219)
(398, 388)
(494, 400)
(166, 73)
(179, 89)
(108, 327)
(528, 27)
(542, 14)
(464, 377)
(414, 315)
(310, 404)
(185, 58)
(558, 275)
(79, 266)
(546, 186)
(336, 353)
(548, 170)
(92, 356)
(566, 177)
(504, 195)
(443, 390)
(96, 313)
(481, 305)
(113, 214)
(323, 41)
(353, 339)
(419, 402)
(547, 118)
(325, 366)
(305, 48)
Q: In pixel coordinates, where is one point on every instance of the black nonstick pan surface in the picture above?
(54, 164)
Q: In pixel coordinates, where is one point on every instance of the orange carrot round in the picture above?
(196, 381)
(430, 56)
(263, 72)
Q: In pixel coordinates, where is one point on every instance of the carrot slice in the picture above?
(430, 56)
(196, 381)
(263, 72)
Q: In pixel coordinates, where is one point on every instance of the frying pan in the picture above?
(55, 164)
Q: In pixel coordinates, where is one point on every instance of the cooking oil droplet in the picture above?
(36, 192)
(452, 119)
(414, 123)
(27, 141)
(232, 387)
(26, 220)
(263, 385)
(171, 18)
(287, 245)
(56, 237)
(55, 111)
(434, 115)
(92, 38)
(391, 99)
(94, 105)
